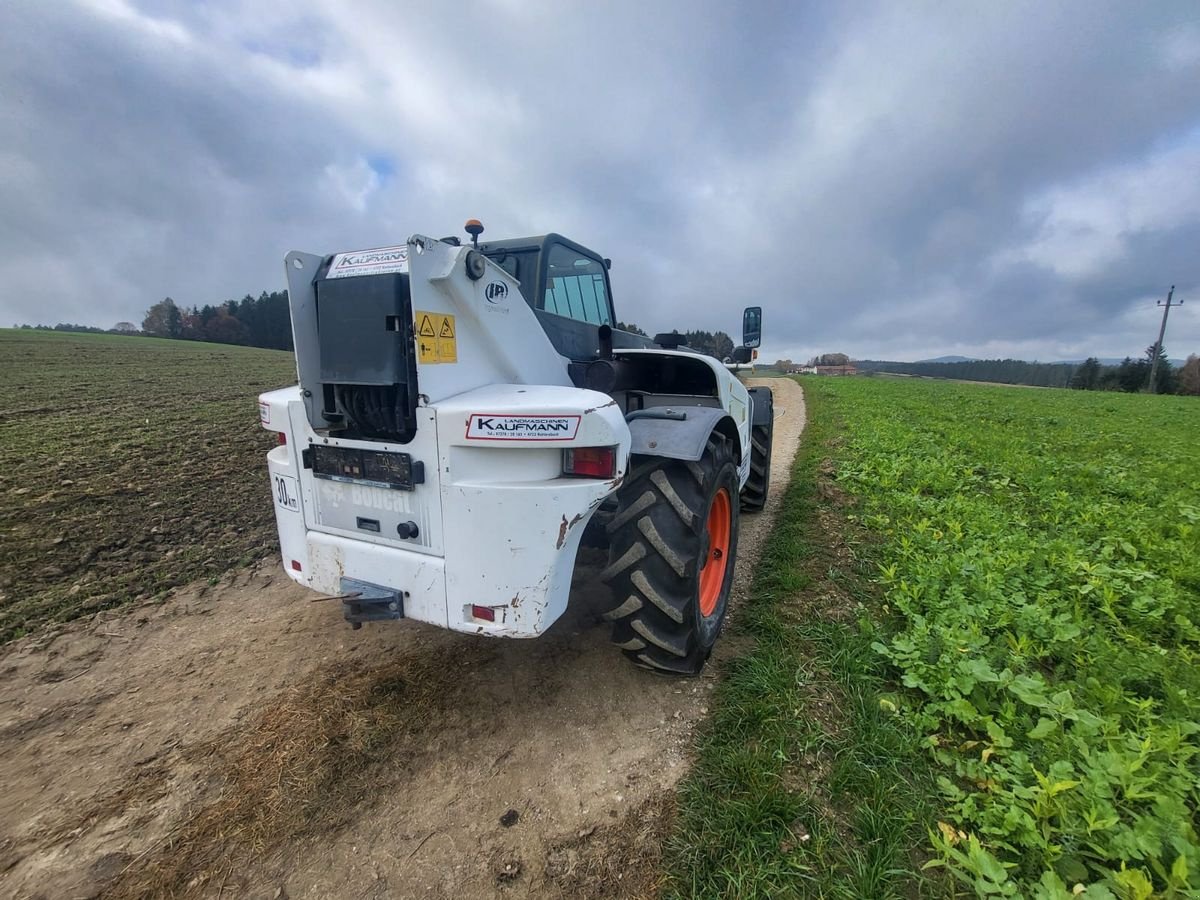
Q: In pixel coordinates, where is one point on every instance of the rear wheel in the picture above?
(673, 549)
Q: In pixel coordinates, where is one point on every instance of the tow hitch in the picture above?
(366, 602)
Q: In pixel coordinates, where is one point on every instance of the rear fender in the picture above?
(681, 433)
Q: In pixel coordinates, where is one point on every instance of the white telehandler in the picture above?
(467, 414)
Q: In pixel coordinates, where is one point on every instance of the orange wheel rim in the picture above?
(716, 559)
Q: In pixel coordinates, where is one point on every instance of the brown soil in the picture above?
(241, 740)
(134, 466)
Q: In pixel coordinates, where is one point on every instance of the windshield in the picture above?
(575, 287)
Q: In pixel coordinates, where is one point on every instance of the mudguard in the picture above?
(678, 432)
(762, 403)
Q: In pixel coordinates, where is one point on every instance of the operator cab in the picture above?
(567, 287)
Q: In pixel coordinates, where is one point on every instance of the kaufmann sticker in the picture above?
(380, 261)
(485, 427)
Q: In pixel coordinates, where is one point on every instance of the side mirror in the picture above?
(752, 326)
(742, 355)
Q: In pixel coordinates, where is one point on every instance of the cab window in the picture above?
(521, 265)
(575, 287)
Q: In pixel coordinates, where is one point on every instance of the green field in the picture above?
(128, 465)
(1027, 564)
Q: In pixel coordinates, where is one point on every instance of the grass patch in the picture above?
(805, 783)
(128, 466)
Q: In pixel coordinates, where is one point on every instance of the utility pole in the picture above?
(1162, 329)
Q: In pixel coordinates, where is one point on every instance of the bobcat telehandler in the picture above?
(467, 414)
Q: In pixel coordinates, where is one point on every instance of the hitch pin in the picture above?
(352, 596)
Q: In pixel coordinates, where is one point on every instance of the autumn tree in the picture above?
(1189, 376)
(225, 328)
(163, 319)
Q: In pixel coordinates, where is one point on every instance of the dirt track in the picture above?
(523, 768)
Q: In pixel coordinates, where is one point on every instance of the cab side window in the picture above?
(575, 287)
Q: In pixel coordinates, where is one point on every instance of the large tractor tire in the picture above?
(754, 492)
(673, 548)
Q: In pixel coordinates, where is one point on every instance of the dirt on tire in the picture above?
(239, 739)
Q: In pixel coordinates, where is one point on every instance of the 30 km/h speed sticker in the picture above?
(437, 341)
(287, 492)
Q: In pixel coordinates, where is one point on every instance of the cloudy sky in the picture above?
(896, 180)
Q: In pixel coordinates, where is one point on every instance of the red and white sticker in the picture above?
(379, 261)
(490, 427)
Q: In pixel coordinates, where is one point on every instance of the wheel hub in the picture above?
(718, 530)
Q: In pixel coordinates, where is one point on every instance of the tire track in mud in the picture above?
(241, 739)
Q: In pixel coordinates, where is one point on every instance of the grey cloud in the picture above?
(875, 176)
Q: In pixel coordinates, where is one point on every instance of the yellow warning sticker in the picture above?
(436, 340)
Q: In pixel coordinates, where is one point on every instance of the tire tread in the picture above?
(658, 536)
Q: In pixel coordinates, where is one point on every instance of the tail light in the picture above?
(486, 613)
(590, 462)
(282, 437)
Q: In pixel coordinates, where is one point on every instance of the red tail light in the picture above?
(282, 437)
(483, 612)
(590, 462)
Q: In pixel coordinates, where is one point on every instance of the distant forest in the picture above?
(266, 321)
(1002, 371)
(262, 321)
(1131, 375)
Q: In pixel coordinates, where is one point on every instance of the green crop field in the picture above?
(127, 465)
(1028, 569)
(1041, 556)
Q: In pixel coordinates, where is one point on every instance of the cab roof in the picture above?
(535, 242)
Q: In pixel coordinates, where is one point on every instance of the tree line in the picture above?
(711, 343)
(1000, 371)
(119, 328)
(263, 321)
(1130, 375)
(1133, 375)
(825, 360)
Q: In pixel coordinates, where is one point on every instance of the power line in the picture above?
(1152, 387)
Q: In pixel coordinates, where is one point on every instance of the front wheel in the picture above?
(754, 492)
(671, 559)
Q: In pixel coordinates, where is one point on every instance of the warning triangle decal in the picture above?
(426, 329)
(447, 329)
